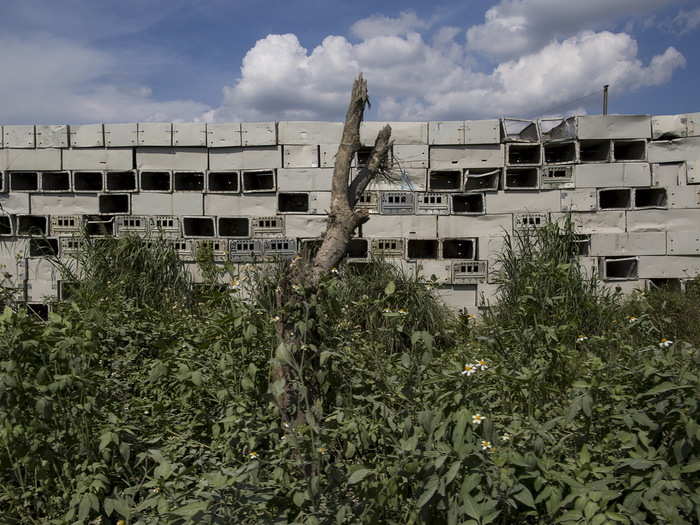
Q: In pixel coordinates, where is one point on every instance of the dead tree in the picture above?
(305, 273)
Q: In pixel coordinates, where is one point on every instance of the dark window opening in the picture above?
(358, 249)
(621, 268)
(224, 181)
(422, 248)
(55, 181)
(522, 178)
(114, 203)
(97, 225)
(595, 150)
(650, 197)
(24, 180)
(155, 181)
(610, 199)
(87, 181)
(580, 245)
(629, 150)
(470, 203)
(5, 225)
(524, 154)
(445, 180)
(482, 179)
(188, 181)
(198, 226)
(363, 155)
(43, 247)
(41, 310)
(234, 227)
(258, 181)
(32, 225)
(671, 285)
(121, 181)
(458, 249)
(560, 152)
(293, 202)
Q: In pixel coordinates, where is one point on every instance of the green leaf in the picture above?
(359, 475)
(452, 473)
(299, 498)
(664, 387)
(692, 467)
(471, 508)
(525, 497)
(191, 509)
(430, 489)
(390, 288)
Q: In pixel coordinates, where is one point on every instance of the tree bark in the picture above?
(305, 273)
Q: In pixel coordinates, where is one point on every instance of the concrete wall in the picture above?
(256, 190)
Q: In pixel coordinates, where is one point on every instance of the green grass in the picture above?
(147, 399)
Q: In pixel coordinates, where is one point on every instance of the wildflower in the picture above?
(403, 311)
(477, 419)
(481, 363)
(275, 319)
(285, 425)
(322, 450)
(335, 271)
(235, 284)
(665, 343)
(297, 288)
(387, 310)
(253, 455)
(505, 437)
(486, 445)
(155, 490)
(632, 319)
(471, 316)
(581, 338)
(469, 369)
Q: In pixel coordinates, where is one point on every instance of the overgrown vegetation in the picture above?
(146, 401)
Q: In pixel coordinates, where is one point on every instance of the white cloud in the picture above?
(687, 21)
(514, 28)
(411, 79)
(378, 25)
(54, 80)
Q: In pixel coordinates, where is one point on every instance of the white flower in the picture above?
(335, 271)
(275, 319)
(477, 419)
(253, 455)
(481, 363)
(632, 319)
(581, 339)
(505, 437)
(486, 445)
(469, 369)
(235, 284)
(403, 311)
(665, 343)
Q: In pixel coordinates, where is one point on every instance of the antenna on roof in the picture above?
(605, 99)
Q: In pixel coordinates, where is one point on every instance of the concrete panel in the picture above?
(30, 160)
(63, 204)
(614, 127)
(309, 133)
(224, 135)
(448, 132)
(614, 174)
(693, 124)
(663, 220)
(508, 202)
(301, 226)
(14, 203)
(300, 156)
(319, 202)
(179, 159)
(52, 136)
(98, 159)
(668, 174)
(482, 131)
(155, 134)
(683, 196)
(642, 243)
(484, 156)
(458, 297)
(253, 205)
(422, 226)
(189, 134)
(594, 222)
(683, 243)
(410, 155)
(412, 179)
(578, 200)
(187, 203)
(87, 136)
(302, 179)
(258, 133)
(674, 150)
(666, 127)
(692, 172)
(327, 154)
(261, 157)
(401, 132)
(42, 280)
(18, 136)
(152, 204)
(474, 226)
(669, 267)
(121, 135)
(440, 269)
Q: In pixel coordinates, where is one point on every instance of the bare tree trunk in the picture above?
(305, 274)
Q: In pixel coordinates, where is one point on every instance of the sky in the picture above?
(84, 61)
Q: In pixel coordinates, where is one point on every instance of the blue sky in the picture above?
(78, 61)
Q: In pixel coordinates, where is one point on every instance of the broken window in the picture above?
(519, 130)
(468, 203)
(293, 202)
(650, 197)
(559, 152)
(188, 181)
(458, 249)
(259, 181)
(55, 181)
(422, 249)
(41, 310)
(24, 181)
(198, 226)
(522, 179)
(32, 225)
(43, 247)
(482, 179)
(5, 225)
(97, 225)
(445, 180)
(627, 150)
(594, 150)
(155, 181)
(524, 154)
(620, 198)
(234, 227)
(620, 268)
(113, 203)
(673, 285)
(223, 181)
(91, 181)
(558, 128)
